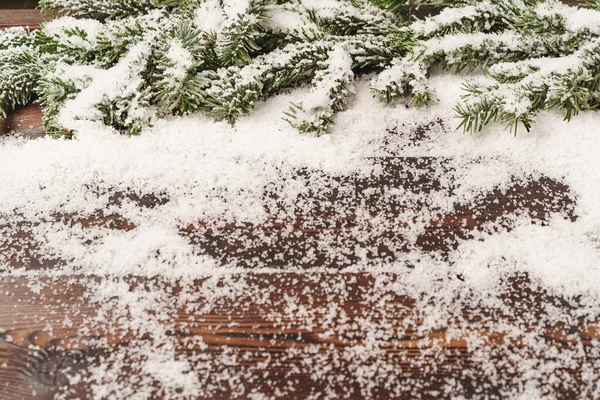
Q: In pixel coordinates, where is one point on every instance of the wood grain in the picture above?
(26, 18)
(25, 121)
(42, 343)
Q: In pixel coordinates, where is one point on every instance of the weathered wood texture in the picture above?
(26, 18)
(38, 359)
(46, 334)
(25, 121)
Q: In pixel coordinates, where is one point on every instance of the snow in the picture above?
(58, 27)
(208, 177)
(190, 159)
(209, 16)
(181, 60)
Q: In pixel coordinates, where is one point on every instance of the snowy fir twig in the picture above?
(172, 57)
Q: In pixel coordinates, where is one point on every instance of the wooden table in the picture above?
(50, 333)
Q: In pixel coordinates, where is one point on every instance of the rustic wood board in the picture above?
(45, 334)
(25, 18)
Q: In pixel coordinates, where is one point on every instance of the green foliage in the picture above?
(15, 37)
(392, 5)
(512, 40)
(594, 4)
(236, 90)
(113, 8)
(239, 39)
(18, 75)
(139, 60)
(331, 86)
(180, 75)
(143, 59)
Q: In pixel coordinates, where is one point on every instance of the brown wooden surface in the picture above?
(46, 334)
(26, 18)
(26, 121)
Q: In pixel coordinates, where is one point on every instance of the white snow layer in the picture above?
(212, 172)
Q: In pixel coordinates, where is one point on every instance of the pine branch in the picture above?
(56, 86)
(331, 88)
(236, 90)
(222, 56)
(392, 5)
(485, 16)
(354, 18)
(570, 88)
(15, 37)
(377, 51)
(117, 37)
(239, 38)
(181, 74)
(404, 77)
(19, 73)
(544, 19)
(113, 8)
(593, 4)
(68, 37)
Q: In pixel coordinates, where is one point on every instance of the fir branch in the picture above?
(113, 8)
(19, 73)
(222, 56)
(236, 90)
(377, 51)
(58, 84)
(356, 17)
(485, 16)
(570, 88)
(180, 73)
(117, 37)
(396, 6)
(239, 38)
(544, 19)
(68, 37)
(484, 103)
(593, 4)
(404, 77)
(15, 37)
(331, 88)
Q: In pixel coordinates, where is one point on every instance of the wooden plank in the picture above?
(20, 4)
(42, 341)
(25, 120)
(25, 18)
(332, 217)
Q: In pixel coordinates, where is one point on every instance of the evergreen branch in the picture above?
(484, 103)
(571, 88)
(239, 38)
(114, 8)
(392, 5)
(546, 18)
(593, 4)
(356, 17)
(236, 90)
(404, 77)
(117, 37)
(377, 51)
(19, 73)
(180, 83)
(55, 87)
(15, 37)
(485, 16)
(222, 56)
(331, 87)
(68, 37)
